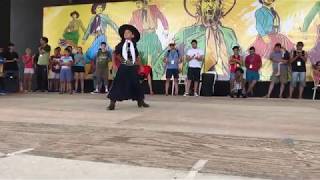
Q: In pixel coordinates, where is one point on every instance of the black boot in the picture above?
(112, 105)
(143, 104)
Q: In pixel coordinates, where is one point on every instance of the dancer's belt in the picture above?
(127, 62)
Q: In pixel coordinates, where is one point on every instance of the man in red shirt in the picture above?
(253, 64)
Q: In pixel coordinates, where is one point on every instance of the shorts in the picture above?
(28, 71)
(172, 72)
(252, 75)
(298, 77)
(78, 69)
(194, 74)
(66, 74)
(53, 75)
(282, 78)
(101, 73)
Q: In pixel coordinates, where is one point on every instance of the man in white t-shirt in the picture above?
(195, 59)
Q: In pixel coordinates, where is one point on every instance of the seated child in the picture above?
(239, 84)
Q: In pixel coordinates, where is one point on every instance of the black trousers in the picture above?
(2, 88)
(126, 85)
(42, 77)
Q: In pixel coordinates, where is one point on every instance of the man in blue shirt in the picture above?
(172, 61)
(279, 58)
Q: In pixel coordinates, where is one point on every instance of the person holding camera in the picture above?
(172, 61)
(298, 68)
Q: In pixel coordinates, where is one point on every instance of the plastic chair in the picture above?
(214, 81)
(182, 80)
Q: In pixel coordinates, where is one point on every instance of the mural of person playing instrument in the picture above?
(314, 53)
(214, 38)
(97, 28)
(268, 25)
(145, 18)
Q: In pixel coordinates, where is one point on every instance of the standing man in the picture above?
(101, 68)
(298, 69)
(42, 64)
(195, 59)
(235, 62)
(172, 61)
(253, 64)
(146, 18)
(279, 58)
(11, 63)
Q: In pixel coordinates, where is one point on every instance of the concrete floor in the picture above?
(234, 138)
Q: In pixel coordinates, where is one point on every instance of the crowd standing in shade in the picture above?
(64, 72)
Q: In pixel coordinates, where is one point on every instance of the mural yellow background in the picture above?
(241, 19)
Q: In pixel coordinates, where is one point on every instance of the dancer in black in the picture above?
(126, 62)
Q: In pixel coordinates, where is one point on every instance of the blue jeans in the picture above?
(298, 77)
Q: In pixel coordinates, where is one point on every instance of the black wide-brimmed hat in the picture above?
(76, 13)
(131, 28)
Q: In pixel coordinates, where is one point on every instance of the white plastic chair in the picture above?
(182, 80)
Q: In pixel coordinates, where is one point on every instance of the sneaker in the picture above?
(106, 91)
(95, 92)
(186, 94)
(196, 94)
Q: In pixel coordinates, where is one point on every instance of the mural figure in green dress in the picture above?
(71, 33)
